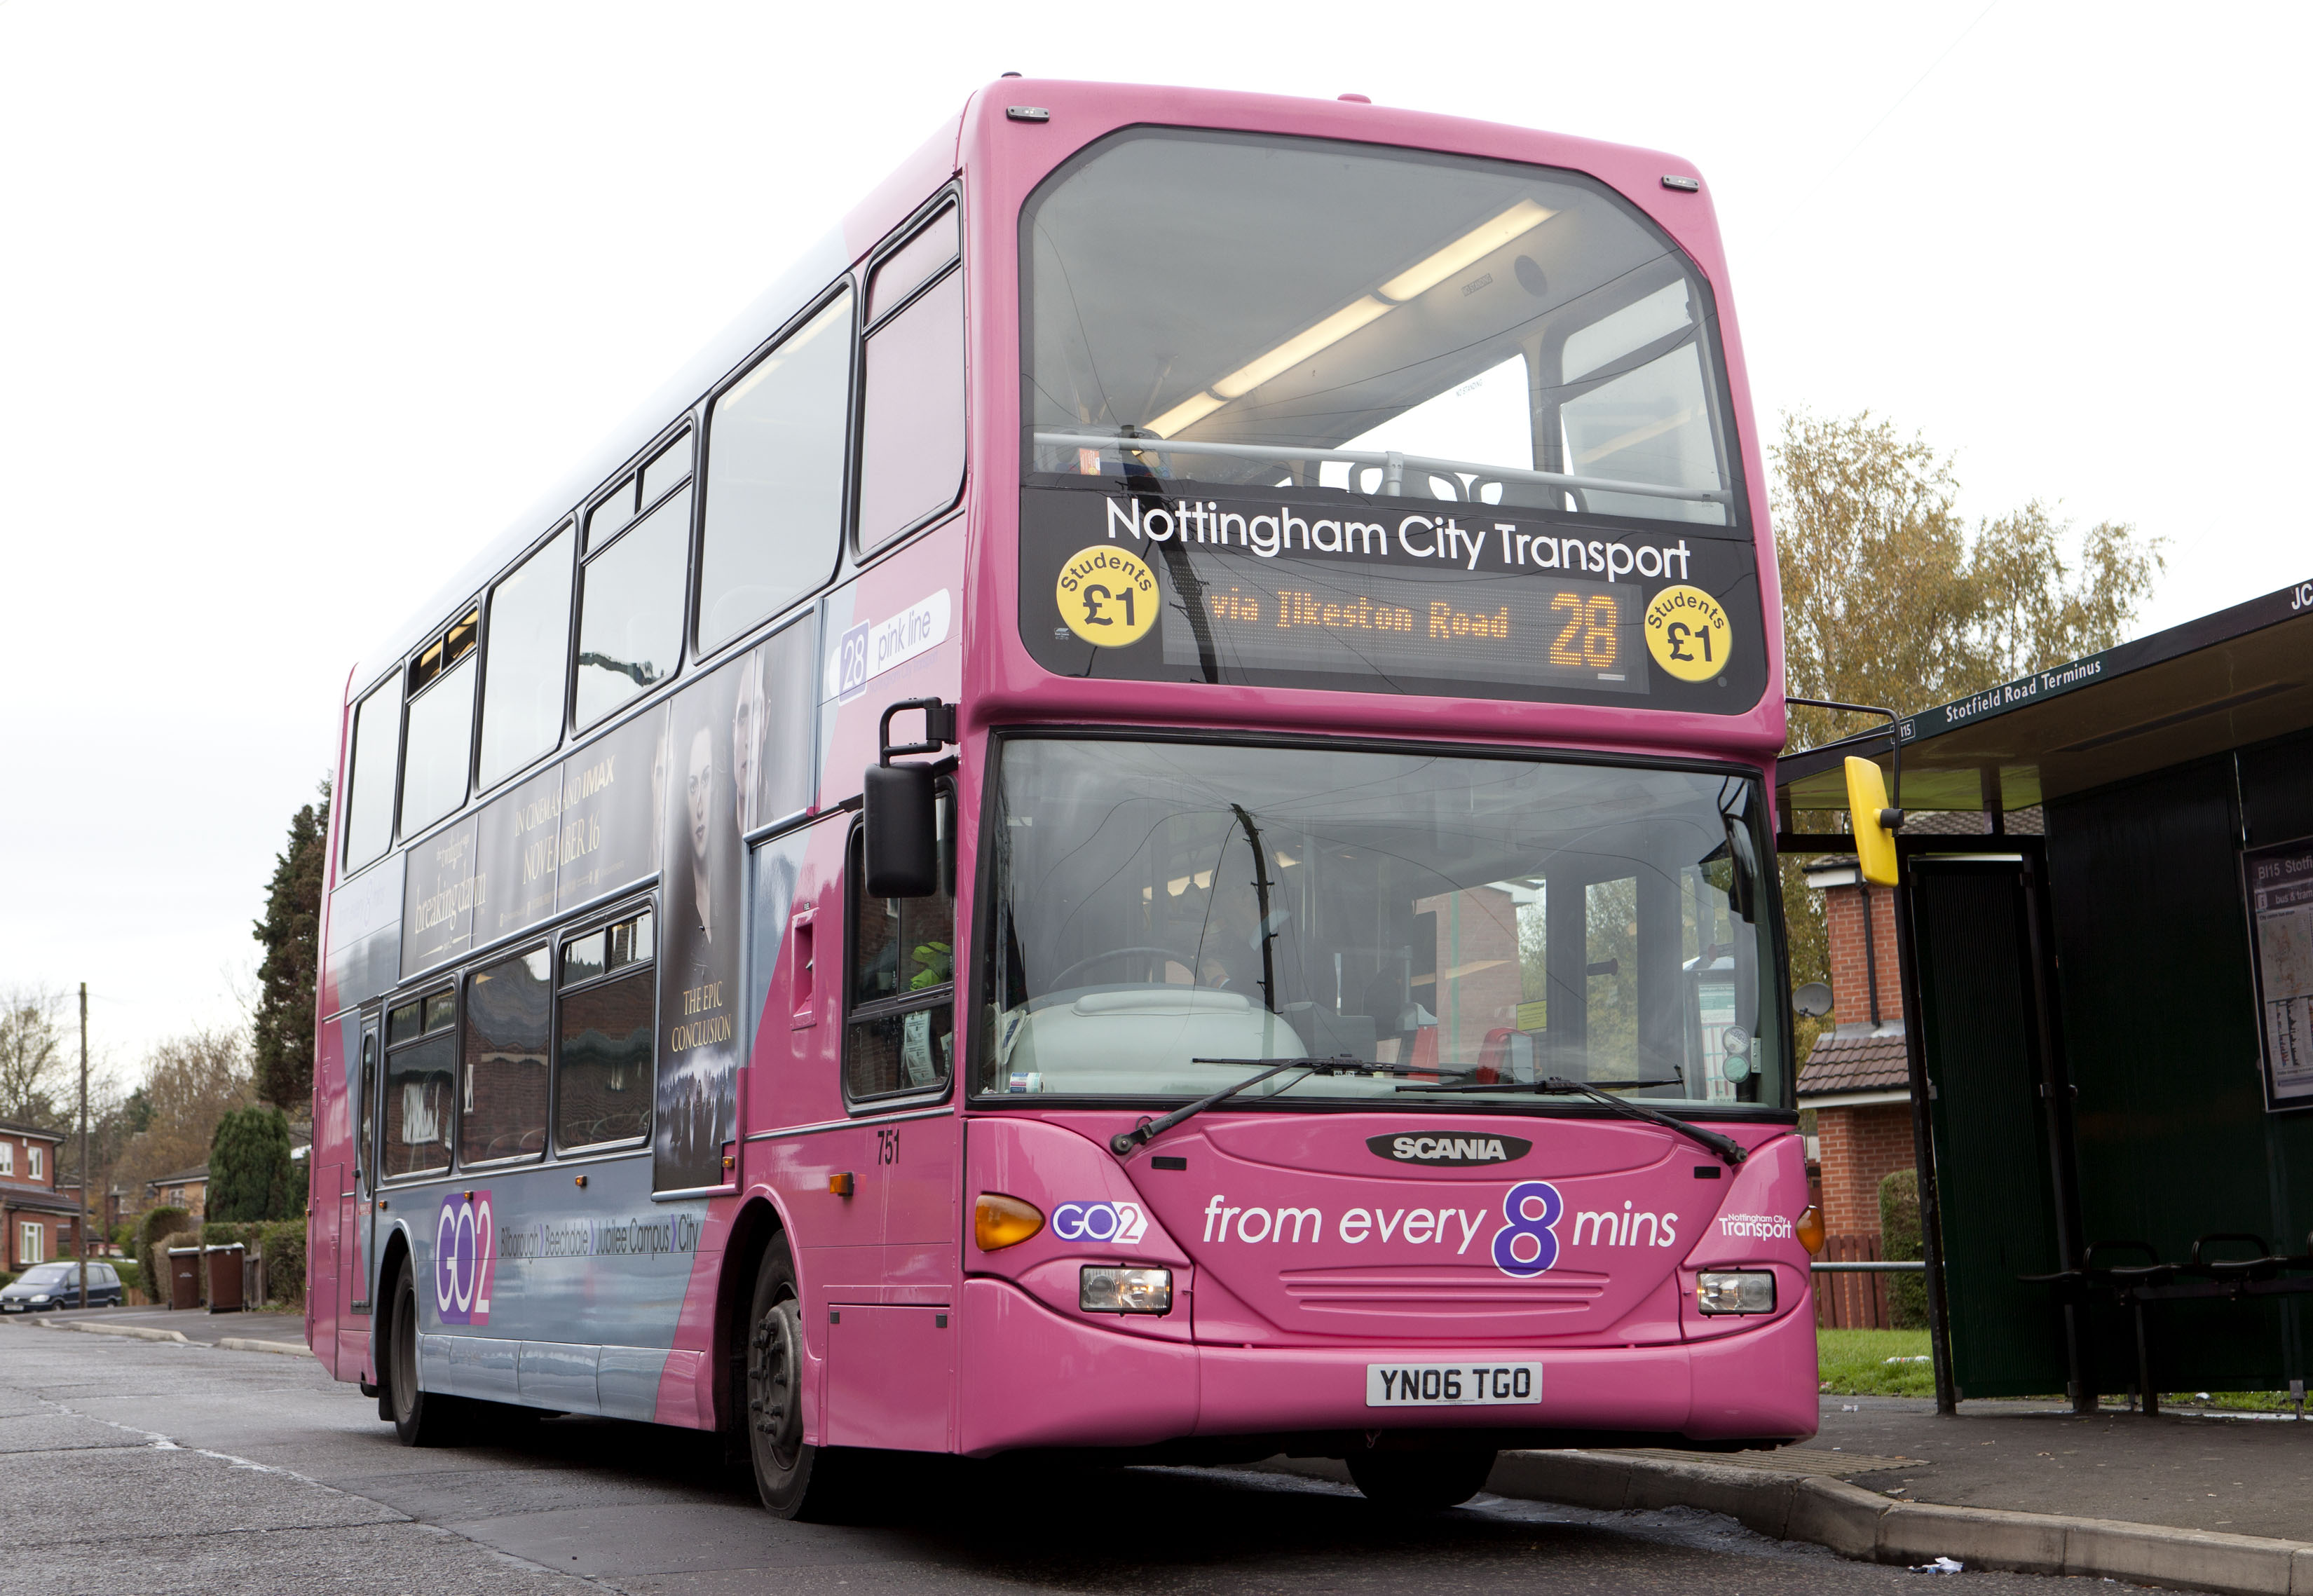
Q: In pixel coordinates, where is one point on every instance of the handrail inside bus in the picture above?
(1392, 463)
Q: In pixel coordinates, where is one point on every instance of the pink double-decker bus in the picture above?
(1132, 823)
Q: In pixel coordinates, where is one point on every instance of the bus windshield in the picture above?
(1292, 312)
(1167, 912)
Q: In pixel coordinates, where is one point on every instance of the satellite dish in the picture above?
(1813, 1000)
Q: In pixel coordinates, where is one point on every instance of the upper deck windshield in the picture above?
(1162, 908)
(1385, 322)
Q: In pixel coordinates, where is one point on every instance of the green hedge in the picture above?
(1899, 1239)
(157, 1225)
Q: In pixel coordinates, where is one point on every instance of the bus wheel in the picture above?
(794, 1480)
(1421, 1481)
(419, 1418)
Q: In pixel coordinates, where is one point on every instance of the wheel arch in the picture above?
(759, 1220)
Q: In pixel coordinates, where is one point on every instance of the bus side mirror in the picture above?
(899, 812)
(1874, 822)
(900, 809)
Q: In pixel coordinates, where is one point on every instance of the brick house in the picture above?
(36, 1222)
(1858, 1077)
(187, 1189)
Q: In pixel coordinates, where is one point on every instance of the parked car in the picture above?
(57, 1285)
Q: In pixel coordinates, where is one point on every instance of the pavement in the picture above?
(190, 1324)
(174, 1468)
(2238, 1474)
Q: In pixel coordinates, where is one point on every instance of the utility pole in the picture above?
(84, 1144)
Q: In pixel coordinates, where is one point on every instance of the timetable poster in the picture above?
(2281, 909)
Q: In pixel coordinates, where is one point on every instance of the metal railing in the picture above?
(1392, 462)
(1872, 1267)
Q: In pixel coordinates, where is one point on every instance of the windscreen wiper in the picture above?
(1725, 1147)
(1123, 1142)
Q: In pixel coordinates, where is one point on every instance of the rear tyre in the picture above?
(1422, 1482)
(794, 1479)
(420, 1418)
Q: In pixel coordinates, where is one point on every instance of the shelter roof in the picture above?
(2240, 676)
(9, 1127)
(182, 1177)
(1858, 1061)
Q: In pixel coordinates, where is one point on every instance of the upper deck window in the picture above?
(630, 595)
(439, 744)
(523, 664)
(369, 798)
(775, 478)
(911, 425)
(1479, 332)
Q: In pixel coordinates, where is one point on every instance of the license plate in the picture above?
(1452, 1385)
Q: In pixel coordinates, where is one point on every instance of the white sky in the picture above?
(298, 304)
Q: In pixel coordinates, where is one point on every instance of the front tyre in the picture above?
(1421, 1481)
(794, 1479)
(420, 1418)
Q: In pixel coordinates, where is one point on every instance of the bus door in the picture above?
(891, 1362)
(353, 1230)
(802, 1142)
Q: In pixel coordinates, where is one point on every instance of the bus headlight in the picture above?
(1105, 1289)
(1733, 1291)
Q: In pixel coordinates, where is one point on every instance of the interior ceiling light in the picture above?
(1474, 245)
(1293, 351)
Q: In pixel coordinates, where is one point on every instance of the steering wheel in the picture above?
(1062, 980)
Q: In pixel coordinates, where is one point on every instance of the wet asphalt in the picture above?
(138, 1466)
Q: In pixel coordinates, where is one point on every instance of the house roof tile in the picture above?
(1855, 1064)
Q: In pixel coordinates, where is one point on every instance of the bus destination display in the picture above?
(1407, 595)
(1544, 633)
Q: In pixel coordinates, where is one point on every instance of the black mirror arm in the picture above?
(1892, 817)
(939, 728)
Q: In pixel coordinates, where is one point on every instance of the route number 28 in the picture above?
(1587, 641)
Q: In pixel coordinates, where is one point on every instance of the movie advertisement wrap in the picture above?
(612, 814)
(738, 755)
(1174, 581)
(519, 836)
(439, 894)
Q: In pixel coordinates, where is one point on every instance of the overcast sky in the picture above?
(299, 303)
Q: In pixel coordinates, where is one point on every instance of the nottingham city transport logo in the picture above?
(465, 1259)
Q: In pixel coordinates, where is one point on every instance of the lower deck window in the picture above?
(900, 1037)
(604, 1063)
(420, 1064)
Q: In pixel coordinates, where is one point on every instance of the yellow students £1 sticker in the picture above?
(1107, 595)
(1687, 633)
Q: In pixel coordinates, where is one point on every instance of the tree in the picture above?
(191, 1082)
(31, 1056)
(250, 1174)
(1889, 598)
(290, 933)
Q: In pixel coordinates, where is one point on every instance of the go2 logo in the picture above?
(465, 1259)
(1121, 1223)
(1529, 1244)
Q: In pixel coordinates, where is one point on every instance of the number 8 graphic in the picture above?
(1527, 1224)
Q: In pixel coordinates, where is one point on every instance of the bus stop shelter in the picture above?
(2112, 1068)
